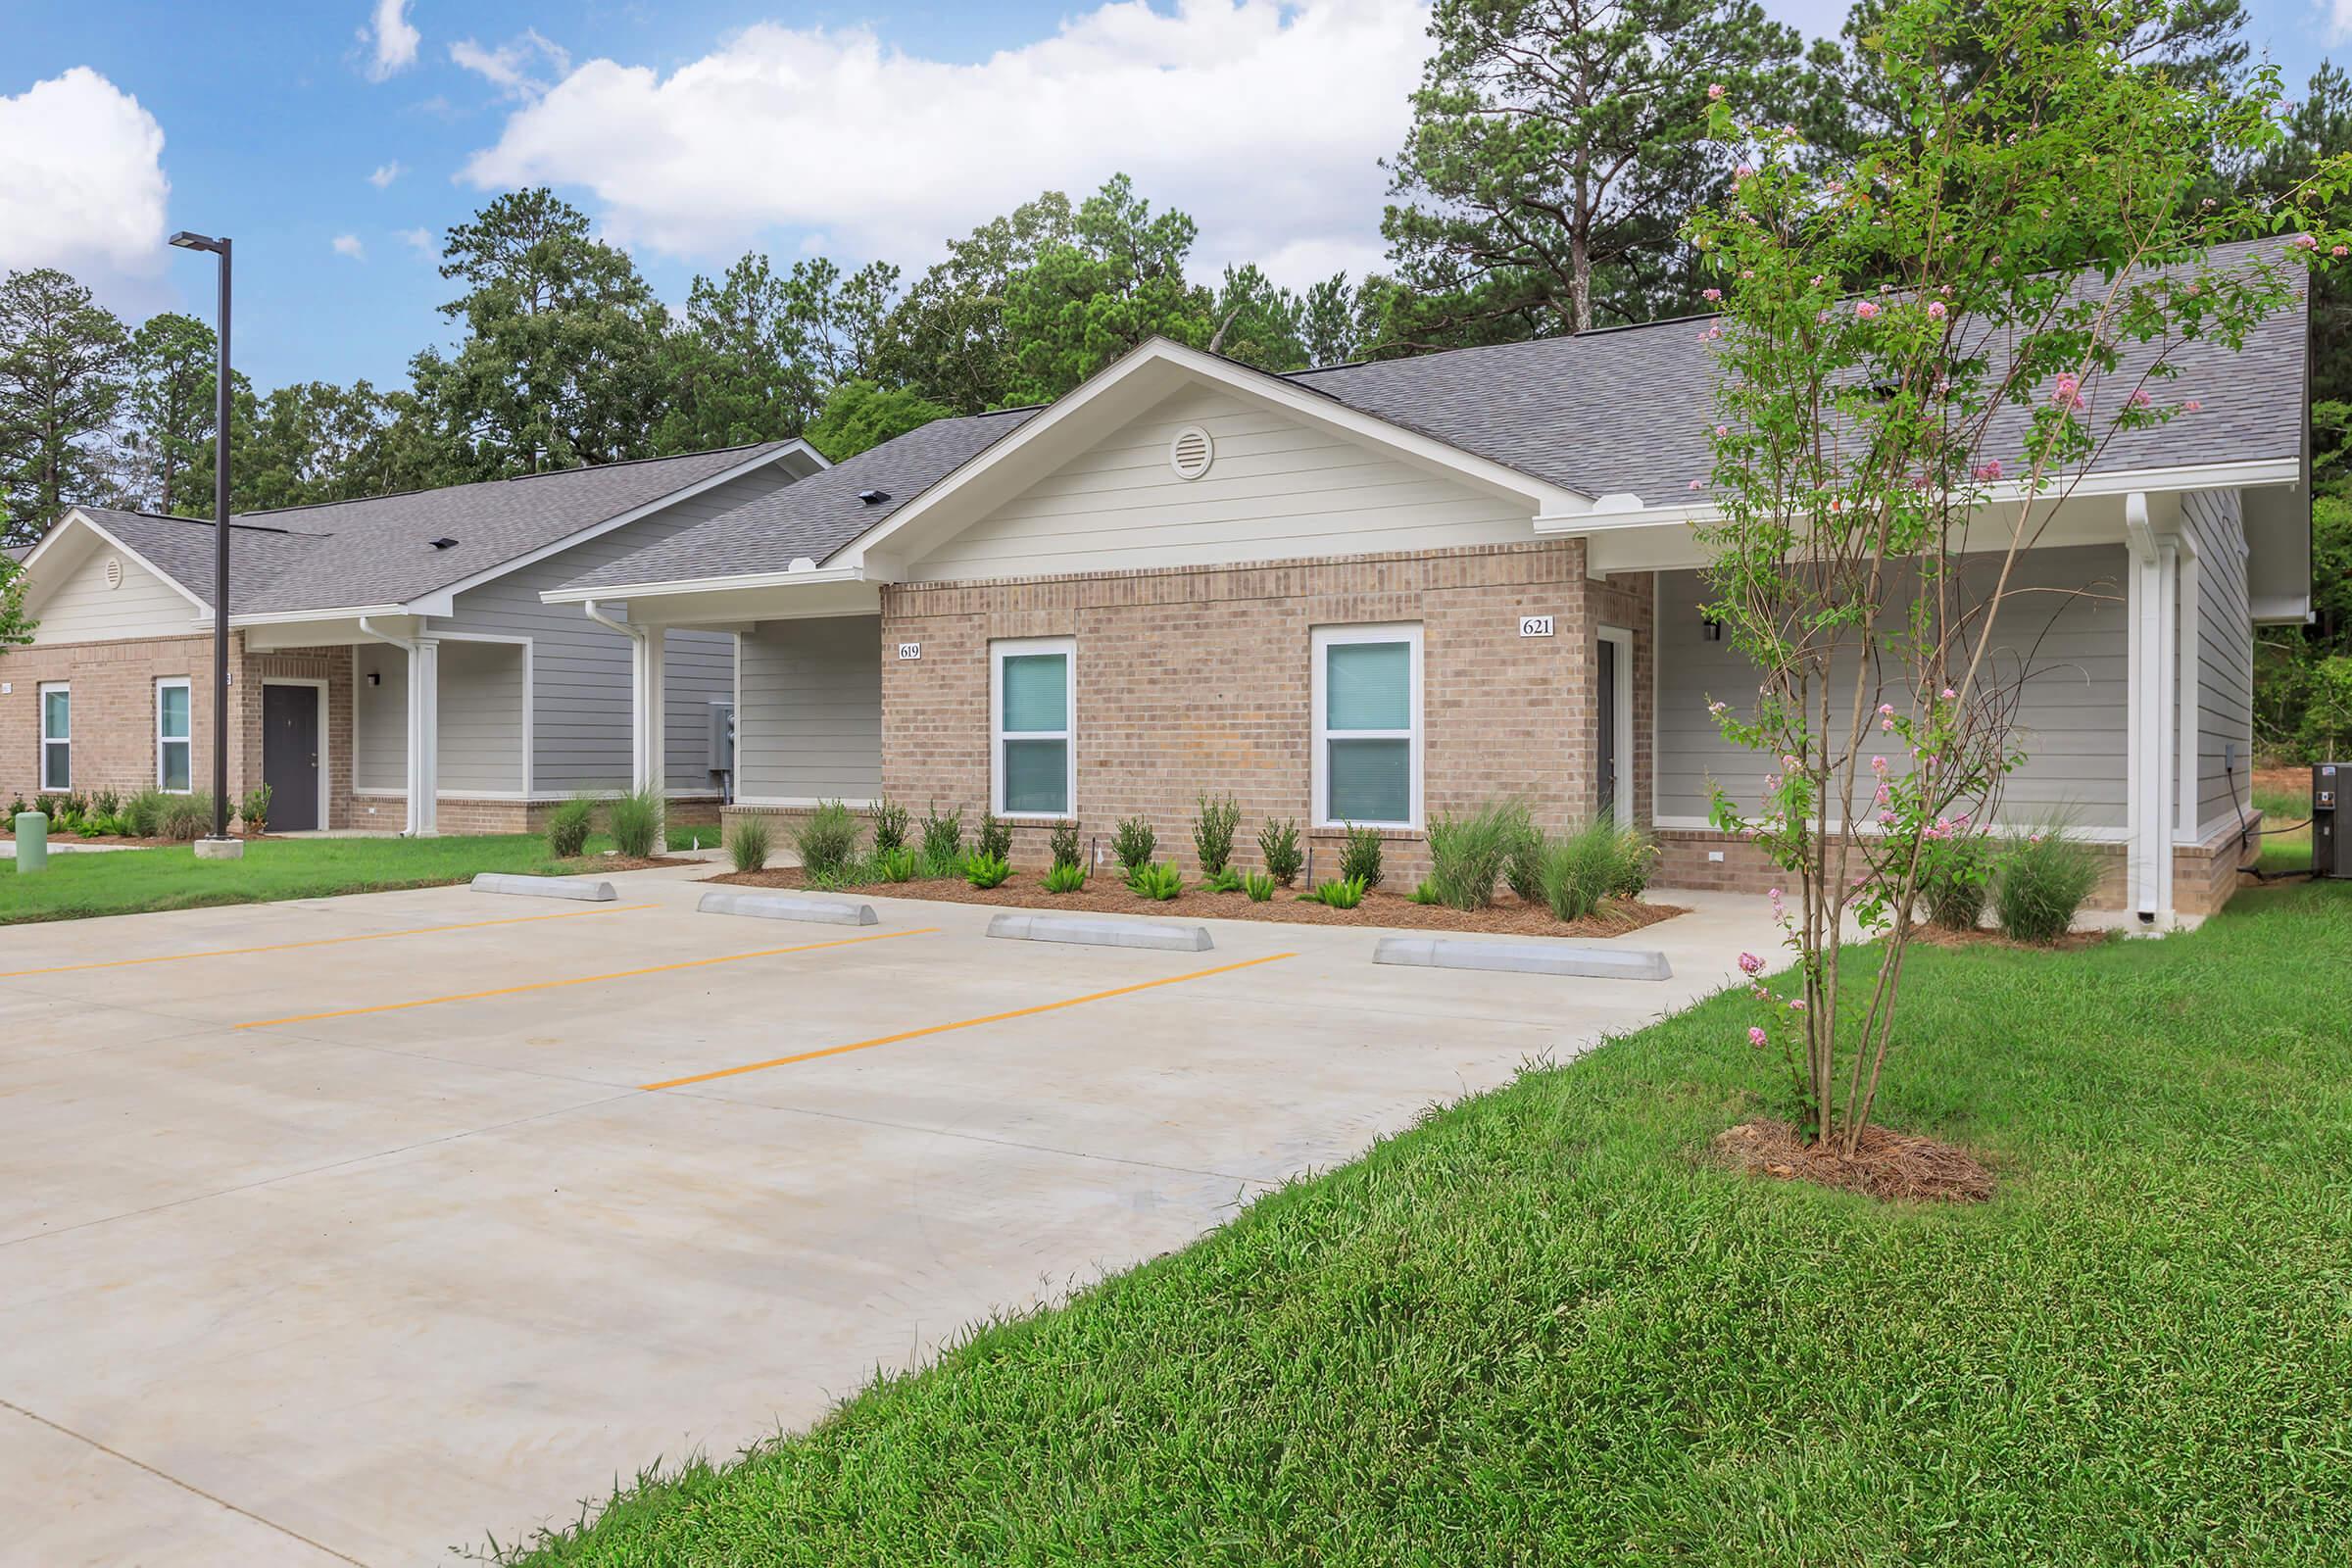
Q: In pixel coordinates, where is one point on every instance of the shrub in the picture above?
(1259, 886)
(1134, 842)
(1425, 892)
(826, 840)
(17, 807)
(634, 819)
(1636, 854)
(890, 824)
(1579, 867)
(1065, 877)
(1340, 893)
(567, 828)
(106, 802)
(942, 841)
(1360, 857)
(1954, 876)
(77, 805)
(1162, 882)
(987, 870)
(1063, 842)
(749, 844)
(897, 865)
(1227, 880)
(1523, 866)
(994, 839)
(1278, 847)
(1212, 832)
(2040, 884)
(186, 818)
(254, 809)
(1467, 854)
(143, 814)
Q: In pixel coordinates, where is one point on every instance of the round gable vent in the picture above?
(113, 571)
(1191, 453)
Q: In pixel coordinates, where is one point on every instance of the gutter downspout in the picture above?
(2154, 634)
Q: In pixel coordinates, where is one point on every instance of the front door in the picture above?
(1607, 756)
(290, 755)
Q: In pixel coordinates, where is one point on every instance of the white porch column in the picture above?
(648, 714)
(424, 737)
(2155, 650)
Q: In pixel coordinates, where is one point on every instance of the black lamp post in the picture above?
(219, 247)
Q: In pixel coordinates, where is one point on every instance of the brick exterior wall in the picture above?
(1198, 680)
(458, 815)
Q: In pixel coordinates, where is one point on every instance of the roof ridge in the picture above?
(546, 474)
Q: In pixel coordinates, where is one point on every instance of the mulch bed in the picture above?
(1887, 1164)
(1936, 936)
(1105, 894)
(587, 863)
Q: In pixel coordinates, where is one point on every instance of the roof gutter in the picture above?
(635, 634)
(700, 585)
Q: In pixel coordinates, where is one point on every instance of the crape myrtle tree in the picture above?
(1923, 348)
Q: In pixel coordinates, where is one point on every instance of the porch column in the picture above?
(647, 748)
(2155, 650)
(424, 737)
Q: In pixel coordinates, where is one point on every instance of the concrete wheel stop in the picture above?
(1526, 957)
(586, 889)
(788, 907)
(1101, 933)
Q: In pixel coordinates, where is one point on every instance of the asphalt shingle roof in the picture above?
(1625, 409)
(380, 552)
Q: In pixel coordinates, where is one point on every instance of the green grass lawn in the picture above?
(1538, 1329)
(2289, 850)
(80, 885)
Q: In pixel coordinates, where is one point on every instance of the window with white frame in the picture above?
(171, 715)
(1034, 762)
(1367, 703)
(57, 737)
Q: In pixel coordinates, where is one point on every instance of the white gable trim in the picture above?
(77, 516)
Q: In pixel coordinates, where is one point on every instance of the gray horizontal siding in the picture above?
(2224, 654)
(379, 718)
(809, 727)
(481, 717)
(2063, 628)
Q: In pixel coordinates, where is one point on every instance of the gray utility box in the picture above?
(2330, 846)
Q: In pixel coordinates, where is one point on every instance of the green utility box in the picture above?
(32, 840)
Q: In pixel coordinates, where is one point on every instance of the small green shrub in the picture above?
(987, 870)
(2040, 886)
(1636, 855)
(994, 842)
(1065, 877)
(254, 809)
(1213, 827)
(1063, 843)
(890, 824)
(1467, 855)
(17, 807)
(567, 828)
(1340, 893)
(942, 841)
(897, 865)
(826, 840)
(749, 844)
(1579, 868)
(77, 805)
(144, 813)
(634, 819)
(1360, 857)
(1425, 892)
(1956, 876)
(1133, 841)
(1259, 886)
(184, 818)
(1278, 847)
(1227, 880)
(106, 802)
(1523, 866)
(1162, 881)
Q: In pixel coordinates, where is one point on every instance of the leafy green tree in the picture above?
(948, 339)
(15, 628)
(561, 363)
(1260, 324)
(64, 375)
(1555, 148)
(1119, 280)
(759, 350)
(174, 366)
(858, 414)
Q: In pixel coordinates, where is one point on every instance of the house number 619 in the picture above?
(910, 650)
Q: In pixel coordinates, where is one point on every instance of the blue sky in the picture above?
(335, 140)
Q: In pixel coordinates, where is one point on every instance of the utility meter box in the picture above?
(2330, 846)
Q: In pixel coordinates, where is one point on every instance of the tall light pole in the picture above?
(222, 846)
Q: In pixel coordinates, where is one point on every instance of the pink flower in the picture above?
(1756, 1035)
(1717, 709)
(1949, 694)
(1711, 293)
(1714, 92)
(1885, 819)
(1936, 310)
(1865, 310)
(1878, 766)
(1886, 725)
(1743, 172)
(1694, 485)
(1722, 430)
(2068, 391)
(1883, 793)
(2308, 242)
(2192, 406)
(1886, 709)
(1750, 964)
(2141, 397)
(1818, 279)
(1747, 272)
(2339, 250)
(1989, 470)
(1796, 1003)
(1791, 762)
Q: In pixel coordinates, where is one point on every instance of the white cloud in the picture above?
(391, 37)
(2339, 20)
(82, 186)
(1262, 118)
(349, 245)
(420, 240)
(386, 174)
(519, 67)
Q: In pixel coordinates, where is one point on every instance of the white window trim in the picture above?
(161, 739)
(41, 696)
(1017, 647)
(1325, 638)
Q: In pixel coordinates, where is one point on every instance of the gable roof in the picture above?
(377, 553)
(1618, 411)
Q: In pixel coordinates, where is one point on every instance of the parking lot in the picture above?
(356, 1229)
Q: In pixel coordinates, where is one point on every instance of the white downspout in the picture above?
(2151, 791)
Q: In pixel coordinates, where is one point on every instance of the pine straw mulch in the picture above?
(587, 863)
(1105, 894)
(1937, 936)
(1890, 1166)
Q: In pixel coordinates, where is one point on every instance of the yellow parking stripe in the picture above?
(585, 979)
(320, 942)
(964, 1023)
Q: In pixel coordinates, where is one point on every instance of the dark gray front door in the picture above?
(1607, 758)
(290, 755)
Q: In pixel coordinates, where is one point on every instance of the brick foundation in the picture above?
(458, 814)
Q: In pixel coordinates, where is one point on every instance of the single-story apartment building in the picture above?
(392, 663)
(1377, 592)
